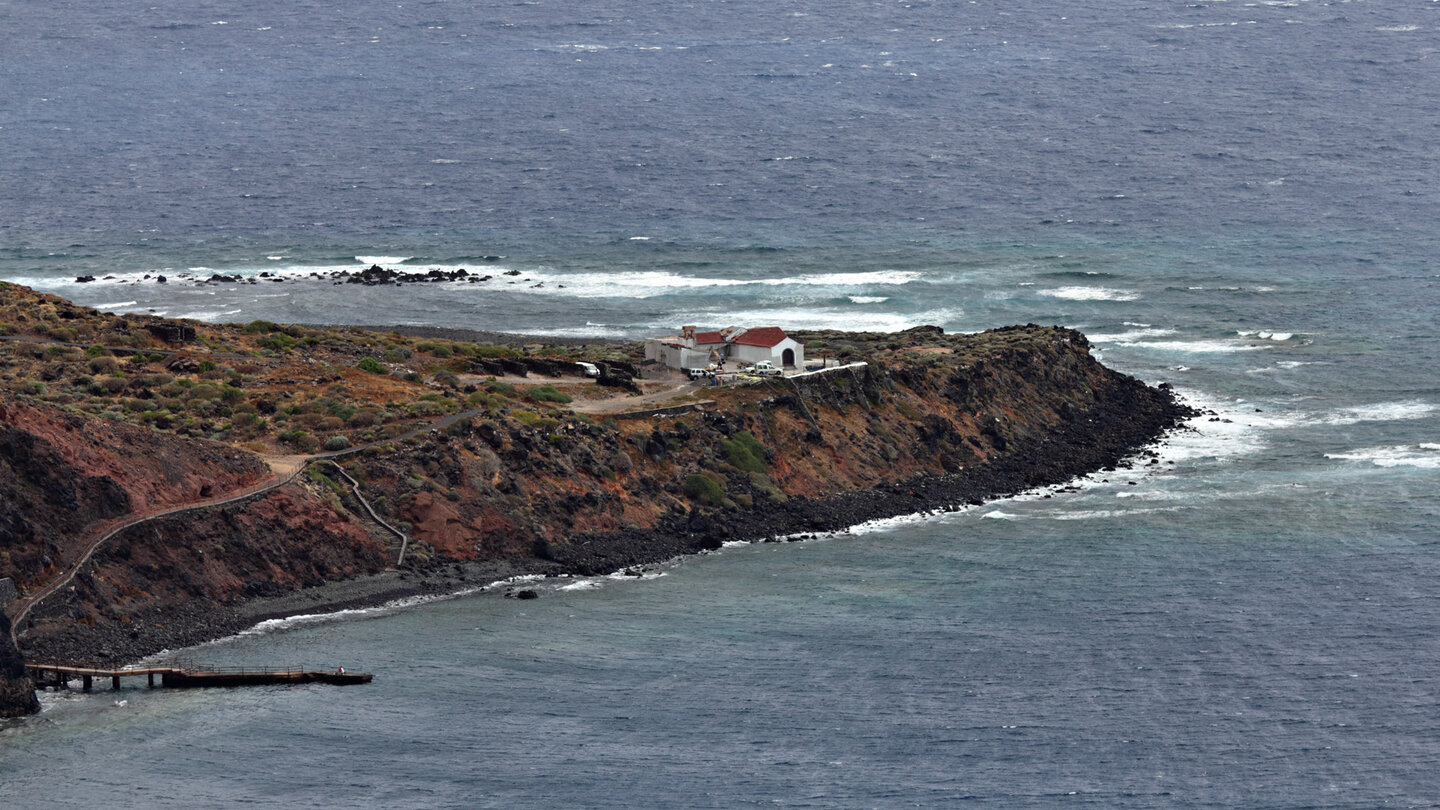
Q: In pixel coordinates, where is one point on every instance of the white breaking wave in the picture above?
(1130, 337)
(209, 315)
(868, 299)
(1192, 346)
(116, 305)
(1265, 334)
(580, 585)
(1424, 456)
(651, 283)
(306, 619)
(1379, 412)
(1090, 294)
(820, 318)
(1107, 514)
(381, 260)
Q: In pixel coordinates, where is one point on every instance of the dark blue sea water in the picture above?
(1237, 198)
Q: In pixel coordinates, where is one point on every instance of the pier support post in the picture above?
(114, 681)
(150, 676)
(85, 682)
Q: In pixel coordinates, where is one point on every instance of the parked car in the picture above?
(699, 373)
(764, 368)
(590, 369)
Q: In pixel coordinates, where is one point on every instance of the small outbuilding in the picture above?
(694, 349)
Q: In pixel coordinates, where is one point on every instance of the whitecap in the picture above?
(1108, 514)
(381, 260)
(116, 305)
(1423, 456)
(1379, 412)
(1129, 337)
(1090, 294)
(820, 318)
(999, 515)
(210, 315)
(868, 299)
(1192, 347)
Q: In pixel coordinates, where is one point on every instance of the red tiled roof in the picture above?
(708, 338)
(766, 336)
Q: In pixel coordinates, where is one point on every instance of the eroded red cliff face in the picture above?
(61, 473)
(169, 582)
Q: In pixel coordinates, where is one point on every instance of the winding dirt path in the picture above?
(638, 402)
(110, 528)
(286, 468)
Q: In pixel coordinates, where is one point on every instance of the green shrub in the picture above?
(337, 443)
(547, 393)
(257, 327)
(277, 342)
(371, 365)
(489, 352)
(704, 489)
(745, 452)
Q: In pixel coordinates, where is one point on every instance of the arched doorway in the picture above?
(787, 357)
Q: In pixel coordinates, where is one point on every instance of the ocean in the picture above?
(1239, 199)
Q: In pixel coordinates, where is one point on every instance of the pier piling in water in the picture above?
(191, 677)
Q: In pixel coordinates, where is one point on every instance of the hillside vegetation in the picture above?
(475, 453)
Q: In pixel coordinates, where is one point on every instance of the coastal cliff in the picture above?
(490, 461)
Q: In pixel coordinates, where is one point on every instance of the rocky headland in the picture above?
(482, 460)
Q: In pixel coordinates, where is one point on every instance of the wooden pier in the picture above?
(190, 677)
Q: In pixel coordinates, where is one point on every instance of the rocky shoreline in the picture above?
(1108, 439)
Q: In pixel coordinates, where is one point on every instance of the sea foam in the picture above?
(1090, 294)
(1424, 456)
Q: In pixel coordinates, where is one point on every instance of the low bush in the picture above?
(745, 452)
(547, 393)
(704, 489)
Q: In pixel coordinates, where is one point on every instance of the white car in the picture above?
(590, 369)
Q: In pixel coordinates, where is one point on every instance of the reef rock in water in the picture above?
(17, 693)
